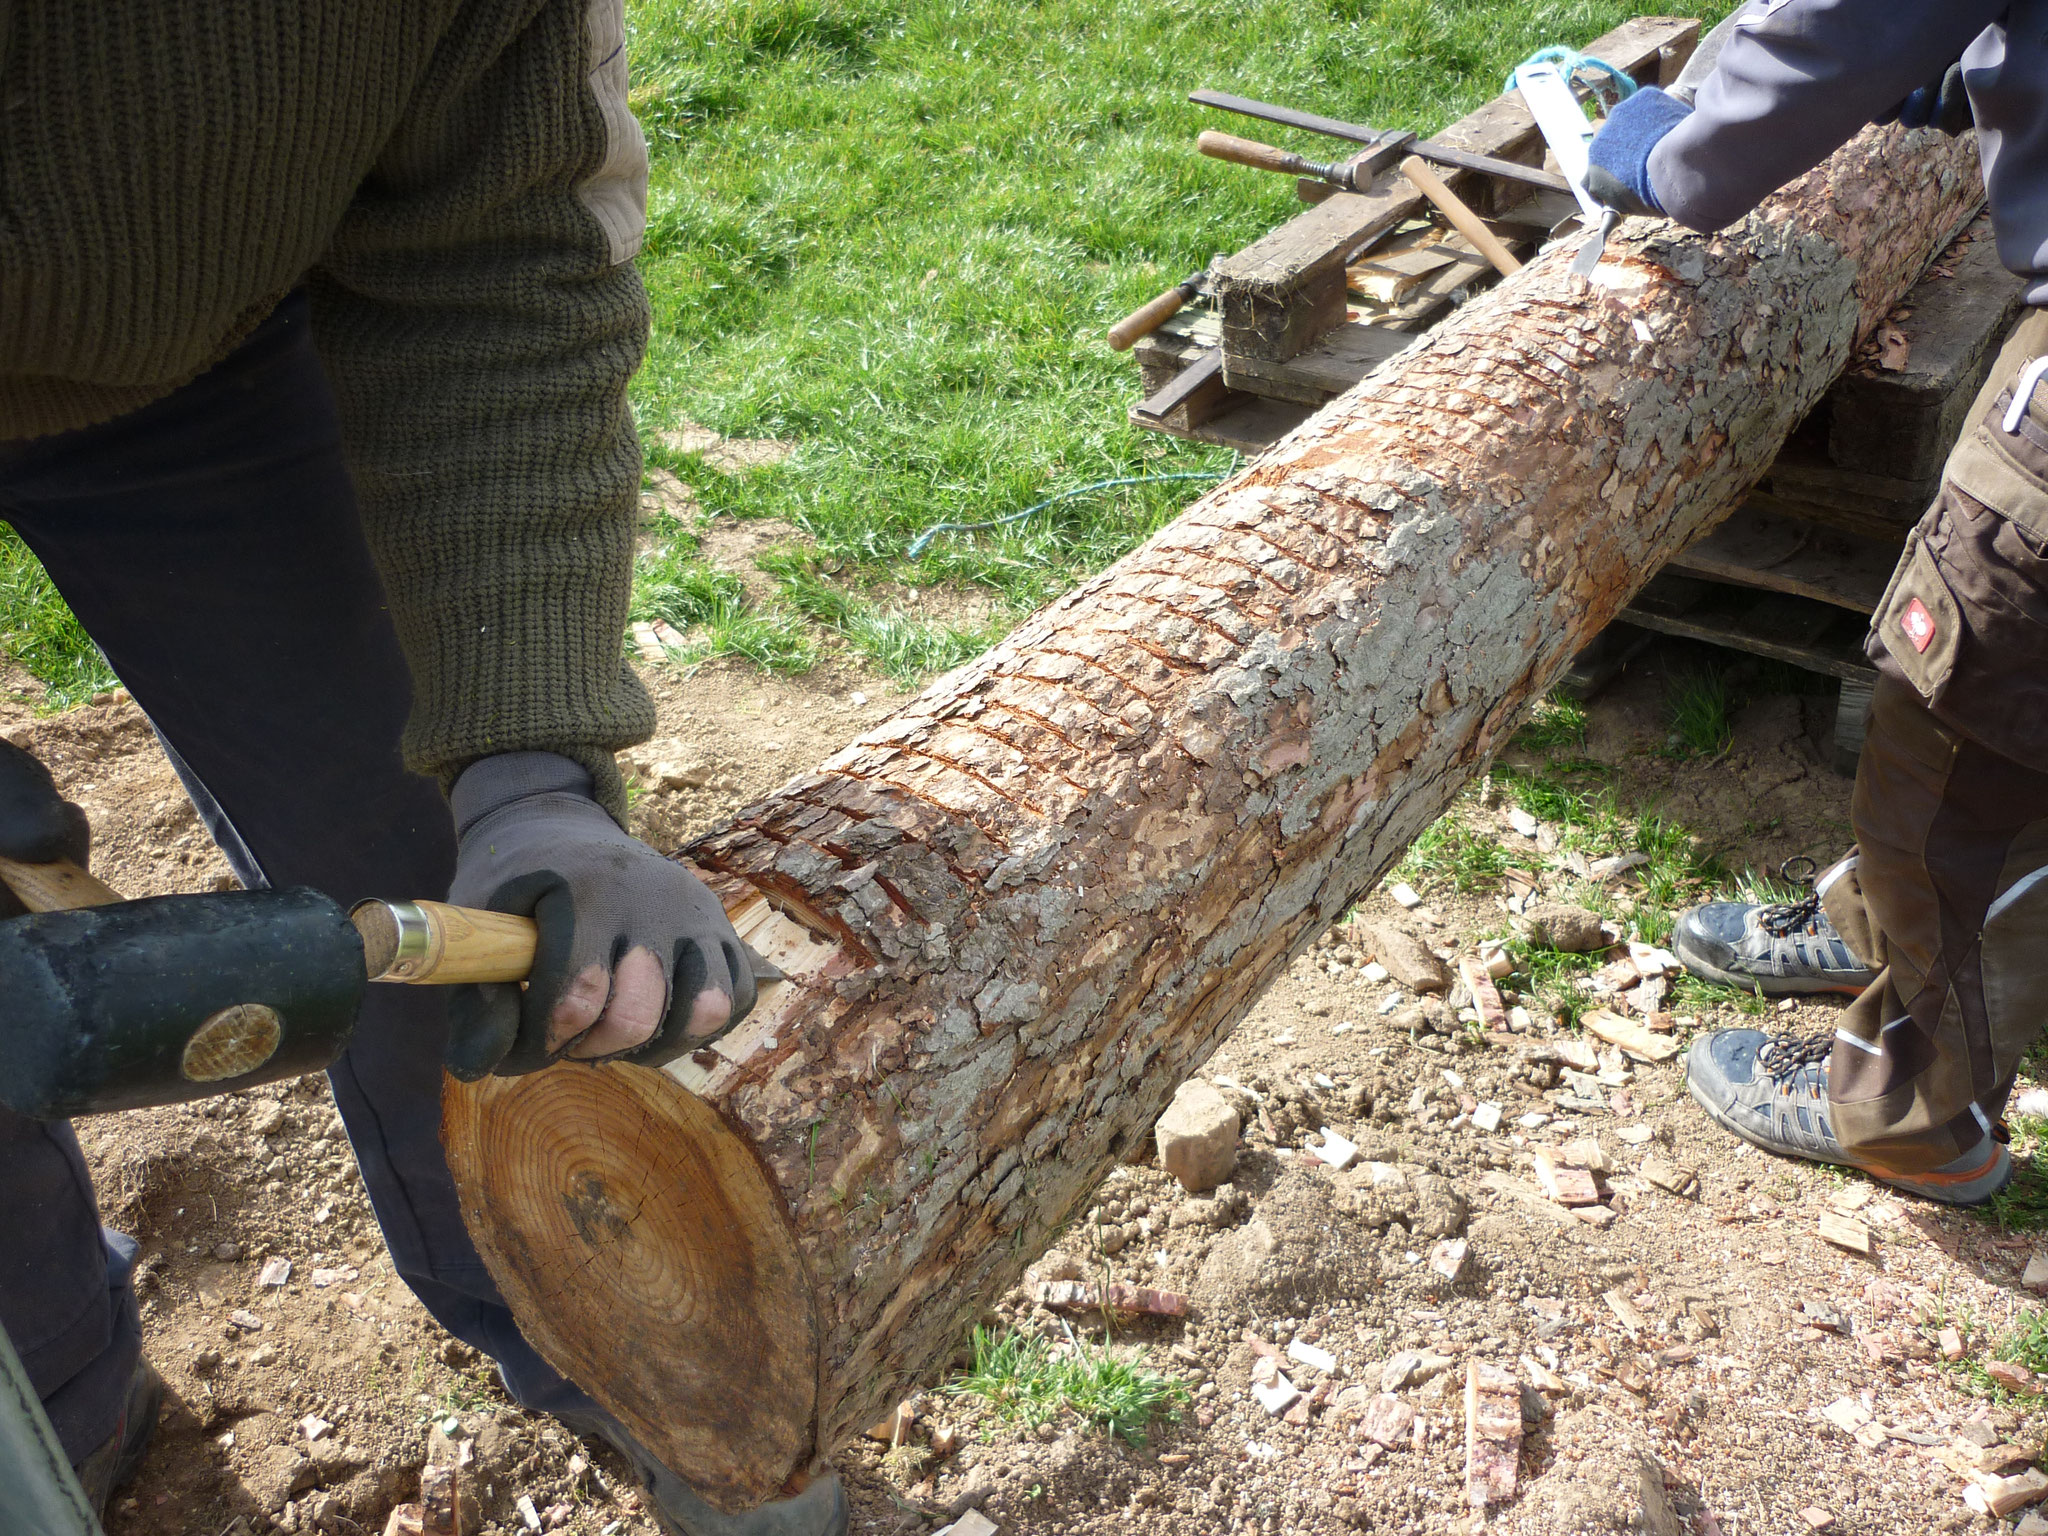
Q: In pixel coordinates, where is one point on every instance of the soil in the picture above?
(1677, 1363)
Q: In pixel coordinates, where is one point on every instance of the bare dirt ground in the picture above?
(1705, 1363)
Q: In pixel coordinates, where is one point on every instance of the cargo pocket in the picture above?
(1919, 621)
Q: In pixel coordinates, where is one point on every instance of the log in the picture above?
(1019, 914)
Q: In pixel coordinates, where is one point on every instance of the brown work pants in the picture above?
(1947, 891)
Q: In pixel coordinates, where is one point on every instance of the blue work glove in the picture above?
(1943, 104)
(1618, 176)
(37, 825)
(636, 957)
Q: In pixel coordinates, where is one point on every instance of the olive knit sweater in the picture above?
(461, 188)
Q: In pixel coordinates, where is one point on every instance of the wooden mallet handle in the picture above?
(432, 943)
(1463, 219)
(58, 887)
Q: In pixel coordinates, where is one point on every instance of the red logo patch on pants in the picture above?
(1918, 624)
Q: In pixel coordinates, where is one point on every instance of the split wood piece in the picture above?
(1643, 1044)
(1079, 1295)
(1625, 1312)
(1493, 1433)
(1463, 219)
(1845, 1232)
(1036, 900)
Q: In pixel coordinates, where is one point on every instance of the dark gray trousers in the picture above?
(211, 545)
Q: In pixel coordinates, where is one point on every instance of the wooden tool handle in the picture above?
(58, 887)
(1143, 322)
(430, 942)
(1260, 157)
(1463, 219)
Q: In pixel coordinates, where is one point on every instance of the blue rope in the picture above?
(1617, 87)
(917, 545)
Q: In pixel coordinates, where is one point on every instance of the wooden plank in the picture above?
(1192, 398)
(1783, 554)
(1297, 257)
(1803, 476)
(1343, 357)
(1816, 636)
(1251, 425)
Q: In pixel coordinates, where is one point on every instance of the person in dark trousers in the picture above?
(1934, 921)
(315, 328)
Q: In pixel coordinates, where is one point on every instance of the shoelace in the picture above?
(1784, 1055)
(1786, 917)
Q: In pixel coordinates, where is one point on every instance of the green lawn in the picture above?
(894, 231)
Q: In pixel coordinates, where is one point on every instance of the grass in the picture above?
(894, 232)
(1700, 710)
(1026, 1380)
(38, 631)
(2022, 1206)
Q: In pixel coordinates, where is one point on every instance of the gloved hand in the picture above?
(1618, 176)
(636, 958)
(37, 825)
(1943, 104)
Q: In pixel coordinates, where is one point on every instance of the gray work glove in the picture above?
(636, 958)
(37, 825)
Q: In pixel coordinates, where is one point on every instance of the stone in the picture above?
(1407, 959)
(1486, 1118)
(1562, 1182)
(1387, 1422)
(1817, 1518)
(2000, 1496)
(276, 1270)
(2035, 1524)
(1574, 930)
(2036, 1277)
(1448, 1257)
(1197, 1137)
(1335, 1150)
(279, 1474)
(1404, 896)
(1643, 1044)
(1670, 1177)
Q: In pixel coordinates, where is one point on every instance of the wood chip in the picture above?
(2010, 1374)
(1588, 1154)
(1845, 1232)
(1598, 1217)
(1951, 1344)
(2000, 1496)
(1485, 995)
(1309, 1354)
(1817, 1518)
(1562, 1182)
(2036, 1277)
(1851, 1197)
(1448, 1258)
(1493, 1433)
(1641, 1043)
(1404, 896)
(973, 1523)
(1846, 1414)
(1625, 1309)
(1669, 1177)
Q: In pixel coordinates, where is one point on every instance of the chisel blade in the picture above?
(761, 966)
(1596, 245)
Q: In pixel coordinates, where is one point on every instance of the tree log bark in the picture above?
(1020, 913)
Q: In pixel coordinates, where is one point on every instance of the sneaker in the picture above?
(119, 1457)
(820, 1510)
(1783, 948)
(1772, 1091)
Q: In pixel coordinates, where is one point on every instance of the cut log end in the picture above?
(649, 1258)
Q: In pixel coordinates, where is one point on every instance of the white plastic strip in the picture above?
(1862, 1045)
(2023, 393)
(1554, 105)
(1830, 876)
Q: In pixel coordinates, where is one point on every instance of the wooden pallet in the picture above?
(1796, 573)
(1287, 331)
